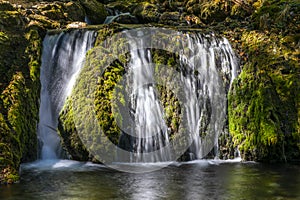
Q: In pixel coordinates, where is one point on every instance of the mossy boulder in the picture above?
(72, 140)
(95, 11)
(54, 15)
(74, 11)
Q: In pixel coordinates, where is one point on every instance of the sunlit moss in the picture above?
(264, 104)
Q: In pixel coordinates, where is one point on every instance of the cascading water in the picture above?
(62, 58)
(208, 67)
(149, 126)
(211, 67)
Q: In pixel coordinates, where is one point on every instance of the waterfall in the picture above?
(149, 128)
(210, 67)
(207, 68)
(62, 58)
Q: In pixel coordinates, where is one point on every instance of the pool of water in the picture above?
(206, 179)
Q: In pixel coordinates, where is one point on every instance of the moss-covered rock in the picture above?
(72, 141)
(11, 20)
(43, 22)
(147, 12)
(170, 18)
(19, 93)
(70, 138)
(74, 11)
(95, 11)
(264, 103)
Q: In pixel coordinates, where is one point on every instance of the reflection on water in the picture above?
(194, 180)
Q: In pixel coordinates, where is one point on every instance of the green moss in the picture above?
(169, 100)
(147, 12)
(43, 21)
(19, 94)
(264, 101)
(67, 130)
(277, 15)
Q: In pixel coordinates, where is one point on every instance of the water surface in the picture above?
(63, 179)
